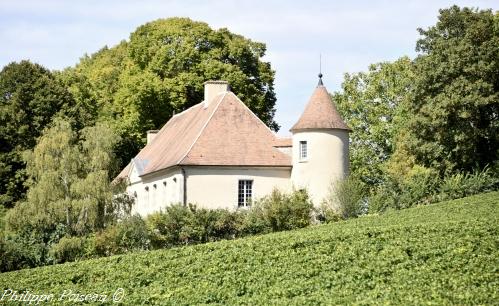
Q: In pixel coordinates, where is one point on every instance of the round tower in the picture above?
(320, 146)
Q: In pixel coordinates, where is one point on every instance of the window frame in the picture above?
(303, 151)
(244, 193)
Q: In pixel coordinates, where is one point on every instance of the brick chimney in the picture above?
(212, 89)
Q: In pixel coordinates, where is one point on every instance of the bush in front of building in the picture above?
(128, 235)
(346, 199)
(181, 225)
(282, 211)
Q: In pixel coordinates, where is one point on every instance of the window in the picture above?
(245, 192)
(303, 150)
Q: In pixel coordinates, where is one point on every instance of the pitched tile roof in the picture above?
(283, 142)
(320, 113)
(224, 133)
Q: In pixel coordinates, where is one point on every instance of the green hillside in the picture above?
(446, 253)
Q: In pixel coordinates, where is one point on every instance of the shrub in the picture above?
(228, 224)
(180, 225)
(384, 197)
(130, 234)
(282, 211)
(21, 251)
(423, 186)
(253, 221)
(460, 185)
(3, 212)
(217, 224)
(173, 227)
(346, 198)
(69, 249)
(326, 213)
(418, 187)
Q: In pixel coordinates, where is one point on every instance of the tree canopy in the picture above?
(139, 84)
(68, 180)
(455, 102)
(374, 105)
(439, 111)
(30, 96)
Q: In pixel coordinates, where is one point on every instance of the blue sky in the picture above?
(350, 35)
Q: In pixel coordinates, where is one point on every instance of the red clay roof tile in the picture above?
(320, 113)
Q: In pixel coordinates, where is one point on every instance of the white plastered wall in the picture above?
(217, 187)
(156, 191)
(327, 161)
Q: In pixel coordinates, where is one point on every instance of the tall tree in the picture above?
(374, 105)
(30, 96)
(455, 105)
(139, 84)
(69, 182)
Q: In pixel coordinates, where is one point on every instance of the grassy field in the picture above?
(446, 253)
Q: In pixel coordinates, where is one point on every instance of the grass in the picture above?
(445, 253)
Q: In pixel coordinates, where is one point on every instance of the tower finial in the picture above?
(320, 70)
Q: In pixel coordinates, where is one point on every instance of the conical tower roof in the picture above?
(320, 112)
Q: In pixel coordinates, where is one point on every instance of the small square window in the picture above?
(303, 150)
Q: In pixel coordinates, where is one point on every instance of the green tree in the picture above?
(374, 105)
(69, 181)
(30, 96)
(454, 124)
(139, 84)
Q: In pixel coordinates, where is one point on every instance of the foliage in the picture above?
(438, 254)
(326, 213)
(423, 186)
(69, 249)
(460, 185)
(69, 181)
(374, 105)
(20, 252)
(173, 227)
(130, 234)
(138, 85)
(455, 102)
(346, 199)
(281, 211)
(30, 96)
(29, 247)
(181, 225)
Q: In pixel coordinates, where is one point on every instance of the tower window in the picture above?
(245, 193)
(303, 150)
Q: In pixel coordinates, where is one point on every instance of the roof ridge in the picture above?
(202, 129)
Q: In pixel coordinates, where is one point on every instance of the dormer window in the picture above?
(303, 151)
